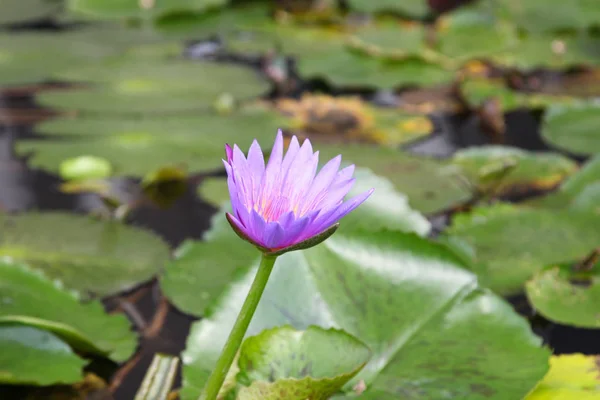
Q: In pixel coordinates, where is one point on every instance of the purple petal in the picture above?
(229, 153)
(294, 231)
(320, 184)
(274, 235)
(330, 217)
(239, 225)
(256, 167)
(290, 154)
(257, 227)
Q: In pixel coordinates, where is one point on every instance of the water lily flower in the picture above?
(280, 207)
(286, 205)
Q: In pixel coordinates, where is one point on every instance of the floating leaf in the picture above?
(371, 285)
(139, 146)
(516, 170)
(87, 255)
(469, 33)
(571, 377)
(145, 87)
(567, 296)
(286, 364)
(552, 51)
(550, 15)
(477, 91)
(413, 8)
(573, 128)
(137, 8)
(511, 244)
(30, 298)
(428, 184)
(191, 291)
(31, 356)
(575, 190)
(383, 41)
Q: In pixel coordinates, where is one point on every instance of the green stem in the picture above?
(215, 381)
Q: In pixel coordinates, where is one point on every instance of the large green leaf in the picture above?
(138, 146)
(406, 298)
(575, 129)
(555, 293)
(511, 244)
(192, 291)
(33, 356)
(30, 298)
(93, 257)
(503, 169)
(286, 364)
(134, 85)
(133, 8)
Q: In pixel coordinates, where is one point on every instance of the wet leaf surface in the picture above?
(567, 294)
(92, 257)
(30, 355)
(135, 146)
(389, 306)
(511, 243)
(286, 364)
(387, 209)
(573, 128)
(32, 299)
(501, 170)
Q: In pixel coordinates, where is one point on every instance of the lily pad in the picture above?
(469, 33)
(139, 146)
(31, 57)
(428, 183)
(143, 87)
(511, 244)
(31, 356)
(30, 298)
(576, 129)
(577, 191)
(286, 364)
(134, 8)
(557, 51)
(525, 170)
(93, 257)
(550, 15)
(371, 285)
(191, 292)
(17, 11)
(397, 41)
(566, 296)
(477, 91)
(571, 377)
(412, 8)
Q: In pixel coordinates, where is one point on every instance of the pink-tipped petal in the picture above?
(229, 153)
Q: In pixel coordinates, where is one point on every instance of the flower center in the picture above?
(271, 209)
